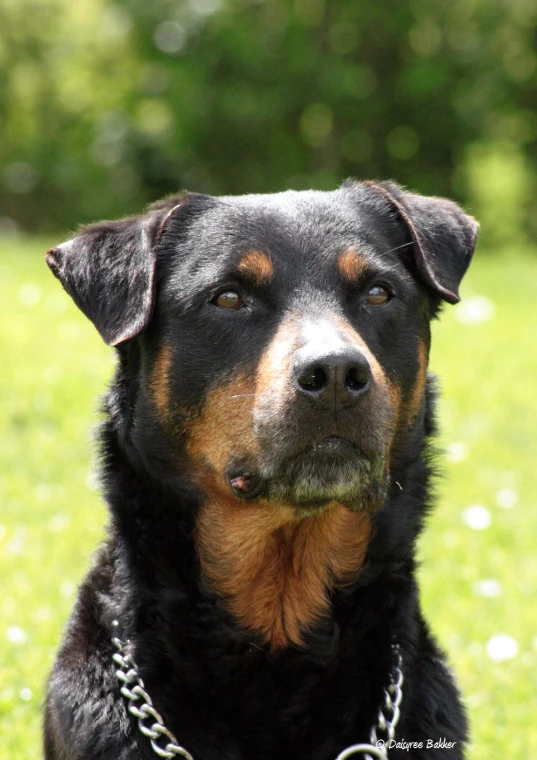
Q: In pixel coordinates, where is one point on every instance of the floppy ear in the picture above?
(444, 236)
(109, 269)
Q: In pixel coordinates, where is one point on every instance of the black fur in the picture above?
(220, 689)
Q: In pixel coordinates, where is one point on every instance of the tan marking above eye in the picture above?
(351, 265)
(229, 299)
(257, 266)
(378, 295)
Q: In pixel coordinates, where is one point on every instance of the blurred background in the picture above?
(107, 106)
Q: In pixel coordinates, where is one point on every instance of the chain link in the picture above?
(387, 718)
(150, 723)
(141, 707)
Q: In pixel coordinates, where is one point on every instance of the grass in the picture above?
(478, 582)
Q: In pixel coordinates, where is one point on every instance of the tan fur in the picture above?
(351, 265)
(225, 427)
(395, 397)
(416, 399)
(257, 265)
(159, 381)
(275, 569)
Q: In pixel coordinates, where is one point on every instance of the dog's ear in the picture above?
(109, 270)
(444, 236)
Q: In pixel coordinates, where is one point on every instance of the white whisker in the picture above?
(397, 247)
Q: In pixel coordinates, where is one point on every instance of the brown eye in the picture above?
(228, 300)
(378, 295)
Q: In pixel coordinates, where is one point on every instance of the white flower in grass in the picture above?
(30, 294)
(67, 589)
(477, 517)
(59, 522)
(16, 635)
(488, 587)
(457, 451)
(473, 311)
(506, 498)
(502, 647)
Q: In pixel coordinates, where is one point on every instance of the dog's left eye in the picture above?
(378, 295)
(228, 299)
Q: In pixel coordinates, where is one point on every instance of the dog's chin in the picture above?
(331, 471)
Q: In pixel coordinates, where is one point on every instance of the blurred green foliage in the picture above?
(105, 106)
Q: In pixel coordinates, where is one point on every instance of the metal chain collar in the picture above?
(164, 743)
(393, 696)
(140, 705)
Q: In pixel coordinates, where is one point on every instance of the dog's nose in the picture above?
(334, 380)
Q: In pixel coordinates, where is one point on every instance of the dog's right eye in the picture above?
(228, 299)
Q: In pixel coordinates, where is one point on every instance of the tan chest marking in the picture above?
(275, 571)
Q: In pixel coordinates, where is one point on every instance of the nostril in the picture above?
(356, 381)
(312, 379)
(333, 380)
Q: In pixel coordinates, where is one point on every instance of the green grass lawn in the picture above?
(479, 557)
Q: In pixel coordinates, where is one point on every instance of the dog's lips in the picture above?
(327, 451)
(329, 469)
(332, 468)
(335, 445)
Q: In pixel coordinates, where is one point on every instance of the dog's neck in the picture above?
(276, 571)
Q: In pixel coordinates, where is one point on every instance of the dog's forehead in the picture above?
(298, 232)
(293, 221)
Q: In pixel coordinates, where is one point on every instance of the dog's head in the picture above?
(285, 337)
(273, 359)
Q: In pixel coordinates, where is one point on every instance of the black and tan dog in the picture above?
(266, 460)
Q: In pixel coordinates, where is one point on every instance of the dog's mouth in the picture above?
(332, 469)
(334, 446)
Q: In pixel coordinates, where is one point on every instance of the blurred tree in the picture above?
(106, 106)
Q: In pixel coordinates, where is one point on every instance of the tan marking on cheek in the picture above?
(351, 265)
(275, 571)
(224, 429)
(159, 381)
(395, 396)
(257, 265)
(416, 398)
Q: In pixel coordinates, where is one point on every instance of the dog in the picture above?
(266, 456)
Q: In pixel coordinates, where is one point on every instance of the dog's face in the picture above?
(285, 336)
(292, 327)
